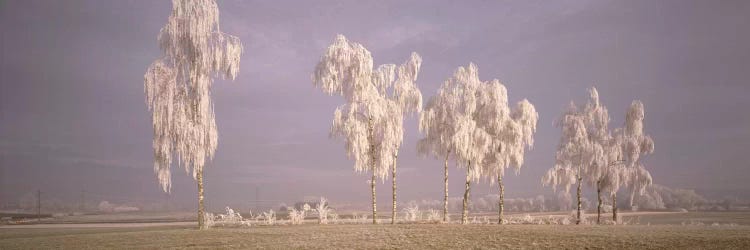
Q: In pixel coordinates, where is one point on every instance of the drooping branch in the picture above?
(178, 86)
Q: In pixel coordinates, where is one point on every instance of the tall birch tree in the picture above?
(570, 155)
(437, 123)
(178, 89)
(634, 144)
(511, 132)
(402, 98)
(604, 157)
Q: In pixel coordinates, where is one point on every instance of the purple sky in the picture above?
(73, 117)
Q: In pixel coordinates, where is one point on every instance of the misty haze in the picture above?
(377, 124)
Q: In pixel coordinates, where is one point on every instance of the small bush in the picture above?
(296, 217)
(269, 217)
(334, 218)
(433, 215)
(231, 218)
(323, 210)
(412, 213)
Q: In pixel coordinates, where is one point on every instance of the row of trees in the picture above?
(589, 153)
(468, 120)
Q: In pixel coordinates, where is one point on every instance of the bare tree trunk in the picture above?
(578, 220)
(372, 181)
(464, 213)
(614, 208)
(599, 205)
(632, 195)
(393, 212)
(445, 199)
(201, 208)
(501, 201)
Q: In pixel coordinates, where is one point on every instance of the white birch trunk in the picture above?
(464, 213)
(445, 198)
(393, 211)
(201, 209)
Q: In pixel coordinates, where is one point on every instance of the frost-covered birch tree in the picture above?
(511, 132)
(402, 97)
(623, 152)
(451, 127)
(437, 123)
(571, 151)
(604, 165)
(178, 89)
(634, 144)
(371, 121)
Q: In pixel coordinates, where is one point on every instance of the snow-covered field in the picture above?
(721, 230)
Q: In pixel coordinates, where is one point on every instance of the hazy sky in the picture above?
(73, 115)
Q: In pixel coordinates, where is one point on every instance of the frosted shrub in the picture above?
(334, 218)
(208, 220)
(231, 218)
(474, 220)
(323, 210)
(353, 219)
(296, 217)
(269, 217)
(527, 219)
(565, 220)
(358, 219)
(549, 220)
(505, 221)
(306, 207)
(433, 215)
(412, 213)
(362, 219)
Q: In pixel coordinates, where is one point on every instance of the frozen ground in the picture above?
(732, 232)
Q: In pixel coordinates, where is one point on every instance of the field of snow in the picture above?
(724, 230)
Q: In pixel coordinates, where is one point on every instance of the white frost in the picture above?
(178, 86)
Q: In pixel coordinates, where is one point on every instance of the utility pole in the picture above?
(38, 205)
(83, 200)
